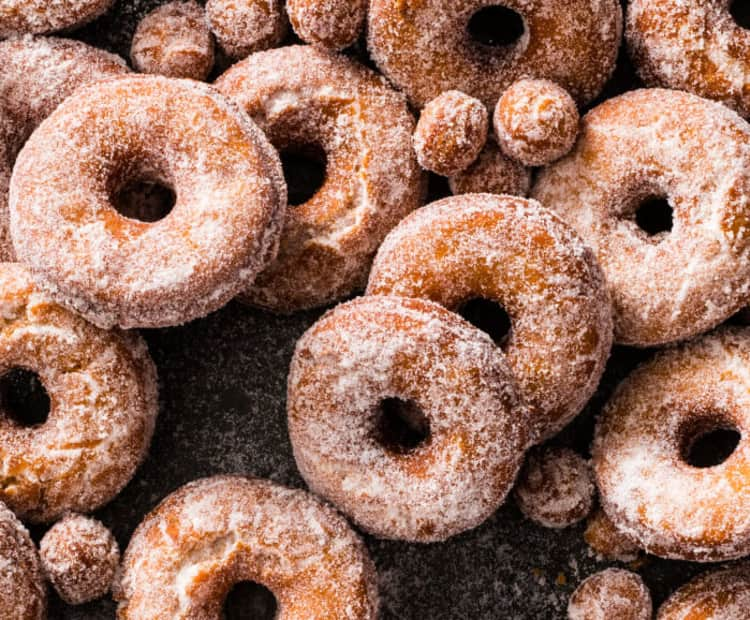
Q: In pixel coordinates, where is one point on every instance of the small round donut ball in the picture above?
(607, 541)
(174, 40)
(451, 133)
(536, 122)
(333, 24)
(242, 27)
(80, 557)
(612, 593)
(492, 173)
(555, 488)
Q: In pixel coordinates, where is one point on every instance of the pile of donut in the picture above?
(409, 412)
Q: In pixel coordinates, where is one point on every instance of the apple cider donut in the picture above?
(666, 284)
(612, 594)
(426, 47)
(515, 253)
(102, 405)
(719, 595)
(188, 553)
(405, 416)
(332, 24)
(653, 482)
(311, 101)
(242, 27)
(118, 270)
(606, 541)
(42, 16)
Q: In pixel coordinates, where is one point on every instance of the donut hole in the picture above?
(740, 11)
(654, 216)
(496, 26)
(400, 425)
(709, 444)
(146, 199)
(489, 316)
(248, 600)
(304, 171)
(23, 398)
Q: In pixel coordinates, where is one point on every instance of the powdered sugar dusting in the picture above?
(44, 16)
(246, 26)
(332, 24)
(612, 593)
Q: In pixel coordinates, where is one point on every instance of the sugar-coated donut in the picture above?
(513, 252)
(80, 557)
(116, 270)
(451, 133)
(492, 173)
(657, 143)
(607, 541)
(451, 388)
(332, 24)
(211, 534)
(242, 27)
(174, 40)
(103, 405)
(716, 595)
(38, 73)
(23, 593)
(303, 97)
(425, 47)
(536, 122)
(695, 46)
(43, 16)
(612, 594)
(642, 448)
(555, 487)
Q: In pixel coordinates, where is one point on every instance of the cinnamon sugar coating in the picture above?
(80, 557)
(174, 40)
(103, 405)
(520, 255)
(332, 24)
(243, 27)
(19, 17)
(607, 541)
(115, 270)
(658, 143)
(492, 173)
(641, 451)
(213, 533)
(722, 594)
(611, 594)
(305, 97)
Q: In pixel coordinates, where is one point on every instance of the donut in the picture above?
(719, 595)
(426, 47)
(309, 100)
(23, 593)
(451, 133)
(492, 173)
(174, 40)
(695, 46)
(103, 405)
(188, 553)
(606, 541)
(332, 24)
(651, 485)
(38, 73)
(609, 594)
(405, 417)
(80, 557)
(536, 122)
(117, 270)
(515, 253)
(555, 488)
(19, 17)
(242, 27)
(653, 144)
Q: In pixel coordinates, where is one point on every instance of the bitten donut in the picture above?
(188, 553)
(332, 24)
(695, 46)
(38, 73)
(242, 27)
(309, 100)
(405, 416)
(42, 16)
(102, 405)
(492, 173)
(515, 253)
(666, 285)
(611, 594)
(426, 48)
(718, 595)
(650, 483)
(117, 270)
(23, 593)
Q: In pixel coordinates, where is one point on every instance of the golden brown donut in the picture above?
(242, 27)
(211, 534)
(607, 541)
(331, 24)
(492, 173)
(716, 595)
(44, 16)
(612, 594)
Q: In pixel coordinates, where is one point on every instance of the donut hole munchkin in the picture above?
(740, 11)
(401, 425)
(248, 600)
(708, 443)
(144, 198)
(654, 215)
(23, 398)
(496, 26)
(304, 171)
(489, 316)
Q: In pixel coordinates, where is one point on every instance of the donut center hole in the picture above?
(496, 26)
(489, 316)
(145, 200)
(740, 11)
(23, 398)
(304, 171)
(248, 600)
(401, 426)
(709, 448)
(654, 216)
